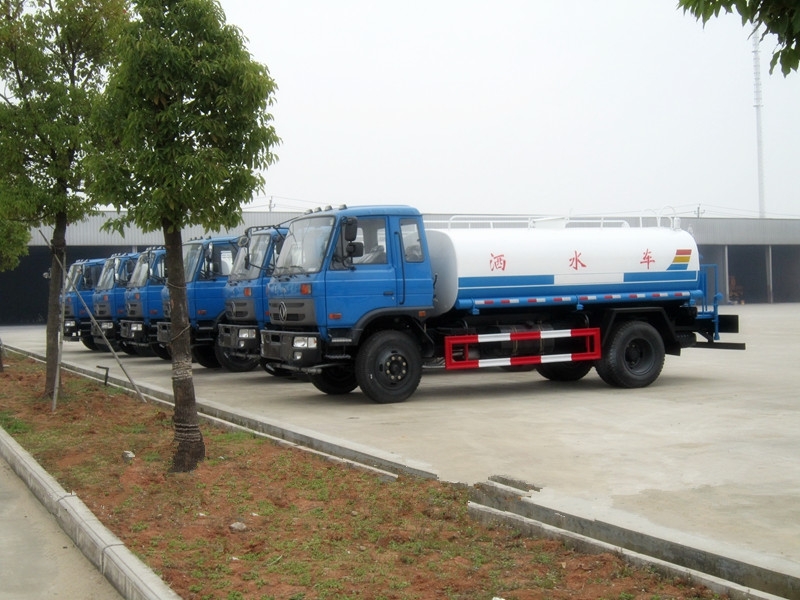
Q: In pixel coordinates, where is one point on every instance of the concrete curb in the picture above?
(130, 576)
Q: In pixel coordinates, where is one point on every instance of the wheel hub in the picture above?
(395, 368)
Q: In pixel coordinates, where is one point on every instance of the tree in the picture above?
(184, 132)
(14, 238)
(53, 64)
(778, 17)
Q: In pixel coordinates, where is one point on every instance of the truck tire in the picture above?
(634, 357)
(88, 341)
(566, 371)
(235, 364)
(335, 380)
(389, 367)
(162, 351)
(204, 356)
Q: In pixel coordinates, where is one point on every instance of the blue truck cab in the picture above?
(108, 301)
(143, 305)
(238, 346)
(82, 277)
(207, 263)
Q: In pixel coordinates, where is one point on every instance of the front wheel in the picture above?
(205, 357)
(335, 380)
(634, 357)
(389, 367)
(233, 363)
(162, 351)
(88, 341)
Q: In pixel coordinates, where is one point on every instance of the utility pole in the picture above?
(762, 208)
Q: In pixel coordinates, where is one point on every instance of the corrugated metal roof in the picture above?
(90, 233)
(710, 231)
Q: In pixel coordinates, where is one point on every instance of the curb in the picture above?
(125, 571)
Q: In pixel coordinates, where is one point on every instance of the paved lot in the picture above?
(37, 559)
(709, 455)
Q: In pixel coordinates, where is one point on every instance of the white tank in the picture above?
(527, 265)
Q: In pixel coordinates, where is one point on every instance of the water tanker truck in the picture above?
(108, 302)
(143, 306)
(82, 277)
(207, 263)
(238, 346)
(367, 296)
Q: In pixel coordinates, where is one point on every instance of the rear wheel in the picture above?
(566, 371)
(335, 380)
(389, 367)
(634, 357)
(205, 357)
(233, 363)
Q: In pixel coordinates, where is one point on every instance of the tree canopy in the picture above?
(183, 133)
(778, 17)
(54, 58)
(184, 122)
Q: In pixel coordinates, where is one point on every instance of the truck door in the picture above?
(415, 281)
(363, 283)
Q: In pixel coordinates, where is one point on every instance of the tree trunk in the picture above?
(189, 446)
(58, 251)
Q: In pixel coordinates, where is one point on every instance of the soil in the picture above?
(264, 521)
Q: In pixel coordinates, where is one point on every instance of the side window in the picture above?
(223, 258)
(412, 247)
(372, 233)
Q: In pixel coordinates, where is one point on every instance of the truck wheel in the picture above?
(162, 351)
(204, 356)
(389, 367)
(335, 380)
(566, 371)
(88, 341)
(128, 349)
(235, 364)
(634, 358)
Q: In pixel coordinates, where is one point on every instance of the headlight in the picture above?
(304, 342)
(107, 325)
(69, 323)
(136, 327)
(248, 334)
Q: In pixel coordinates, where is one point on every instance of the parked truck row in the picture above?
(128, 297)
(372, 296)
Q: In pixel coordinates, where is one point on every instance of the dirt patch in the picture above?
(257, 520)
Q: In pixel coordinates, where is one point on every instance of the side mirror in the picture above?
(350, 229)
(355, 249)
(243, 242)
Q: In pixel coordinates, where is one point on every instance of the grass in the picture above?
(313, 529)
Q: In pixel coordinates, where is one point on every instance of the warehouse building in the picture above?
(757, 260)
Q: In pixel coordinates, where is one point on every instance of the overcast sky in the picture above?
(521, 106)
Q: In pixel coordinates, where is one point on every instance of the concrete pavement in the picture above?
(37, 559)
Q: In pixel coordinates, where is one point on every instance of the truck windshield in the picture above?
(192, 255)
(73, 277)
(305, 246)
(106, 281)
(257, 251)
(147, 264)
